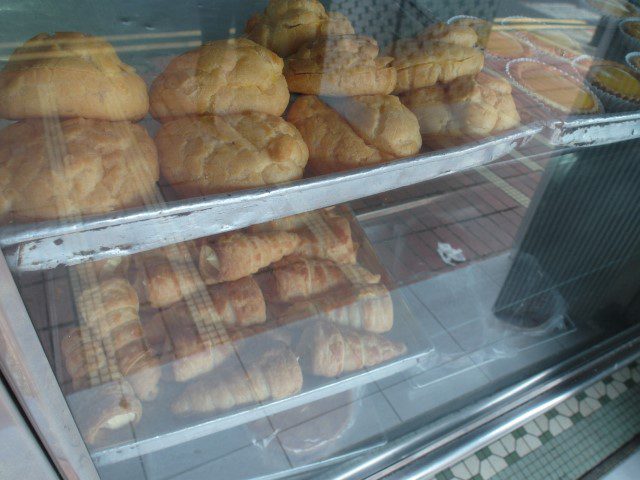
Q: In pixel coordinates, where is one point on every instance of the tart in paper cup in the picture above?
(630, 31)
(612, 9)
(506, 46)
(617, 85)
(542, 38)
(552, 42)
(529, 74)
(633, 60)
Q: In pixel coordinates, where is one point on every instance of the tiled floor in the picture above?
(565, 442)
(478, 211)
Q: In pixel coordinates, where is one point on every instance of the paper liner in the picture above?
(545, 106)
(533, 50)
(610, 101)
(460, 17)
(613, 103)
(521, 35)
(544, 53)
(629, 60)
(629, 41)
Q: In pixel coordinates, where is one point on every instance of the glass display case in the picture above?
(291, 238)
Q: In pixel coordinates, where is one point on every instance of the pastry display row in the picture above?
(346, 104)
(211, 326)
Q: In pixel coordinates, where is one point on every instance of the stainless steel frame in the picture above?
(590, 131)
(445, 442)
(18, 441)
(26, 368)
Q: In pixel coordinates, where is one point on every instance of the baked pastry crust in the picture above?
(553, 42)
(616, 8)
(271, 374)
(77, 167)
(239, 303)
(212, 154)
(327, 238)
(304, 278)
(237, 255)
(221, 77)
(110, 308)
(165, 276)
(366, 130)
(467, 108)
(480, 26)
(105, 407)
(70, 74)
(425, 63)
(455, 34)
(285, 25)
(362, 307)
(341, 65)
(194, 353)
(632, 28)
(501, 44)
(554, 87)
(612, 77)
(81, 359)
(330, 350)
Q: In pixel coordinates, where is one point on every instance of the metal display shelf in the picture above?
(45, 245)
(180, 430)
(159, 429)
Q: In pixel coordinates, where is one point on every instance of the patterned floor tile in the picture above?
(583, 442)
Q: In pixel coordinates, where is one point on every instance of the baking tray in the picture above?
(146, 439)
(159, 428)
(45, 245)
(590, 131)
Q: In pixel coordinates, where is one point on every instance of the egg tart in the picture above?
(632, 28)
(630, 32)
(614, 78)
(553, 87)
(615, 8)
(504, 45)
(617, 85)
(552, 42)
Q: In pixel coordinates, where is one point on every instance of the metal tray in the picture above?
(159, 428)
(146, 438)
(591, 131)
(45, 245)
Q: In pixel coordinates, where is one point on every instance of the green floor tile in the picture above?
(579, 448)
(483, 454)
(545, 437)
(519, 433)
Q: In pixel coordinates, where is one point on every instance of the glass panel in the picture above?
(258, 239)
